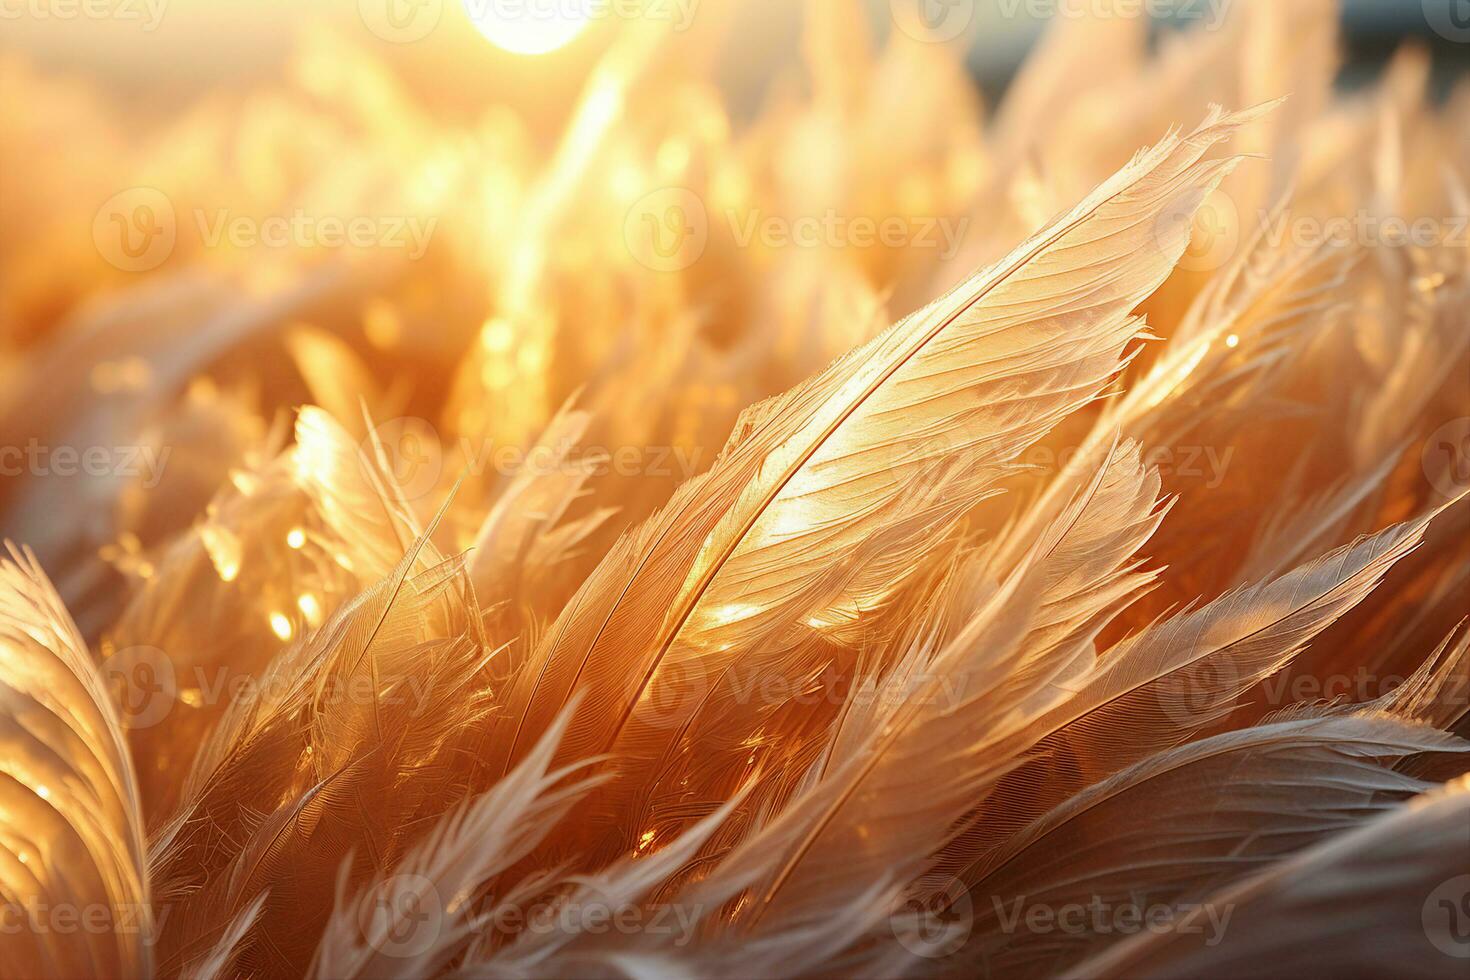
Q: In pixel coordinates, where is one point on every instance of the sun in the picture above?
(527, 27)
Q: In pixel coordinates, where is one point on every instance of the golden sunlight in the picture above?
(526, 26)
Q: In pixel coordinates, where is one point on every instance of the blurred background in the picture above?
(159, 54)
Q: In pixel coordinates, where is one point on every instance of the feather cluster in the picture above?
(1101, 617)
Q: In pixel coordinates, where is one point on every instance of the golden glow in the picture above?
(1232, 341)
(281, 626)
(527, 28)
(296, 537)
(310, 608)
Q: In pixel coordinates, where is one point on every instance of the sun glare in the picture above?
(527, 28)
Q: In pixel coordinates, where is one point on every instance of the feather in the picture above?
(218, 962)
(1377, 901)
(71, 837)
(421, 918)
(1187, 821)
(814, 472)
(1165, 684)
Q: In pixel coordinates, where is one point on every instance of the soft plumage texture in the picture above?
(71, 836)
(532, 608)
(1365, 897)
